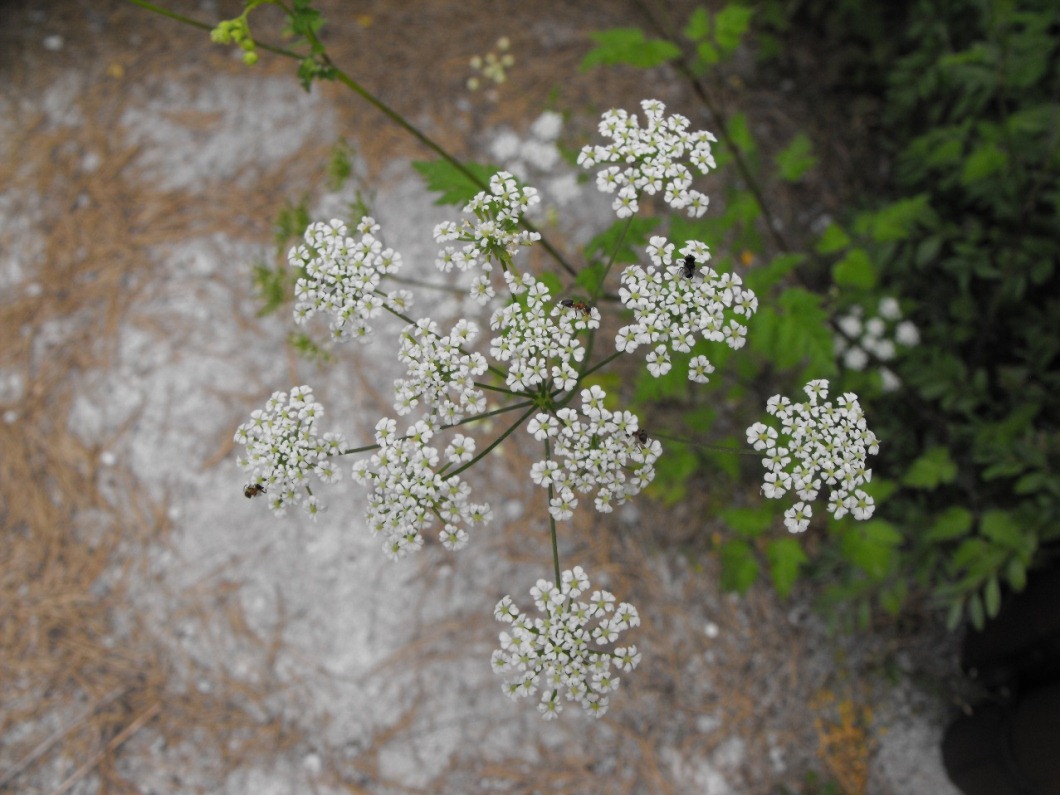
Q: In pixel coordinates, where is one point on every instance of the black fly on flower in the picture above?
(689, 267)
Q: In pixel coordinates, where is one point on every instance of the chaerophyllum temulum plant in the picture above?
(532, 362)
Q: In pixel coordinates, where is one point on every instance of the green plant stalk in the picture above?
(552, 520)
(600, 287)
(723, 133)
(420, 136)
(498, 440)
(374, 101)
(465, 421)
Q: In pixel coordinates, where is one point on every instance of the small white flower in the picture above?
(602, 452)
(673, 303)
(651, 159)
(562, 650)
(797, 517)
(495, 234)
(890, 309)
(855, 358)
(538, 338)
(283, 448)
(408, 495)
(817, 442)
(907, 334)
(440, 375)
(877, 336)
(342, 276)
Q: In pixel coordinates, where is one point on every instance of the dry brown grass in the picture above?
(81, 677)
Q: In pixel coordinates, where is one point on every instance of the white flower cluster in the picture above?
(537, 338)
(562, 650)
(495, 234)
(651, 159)
(607, 453)
(673, 303)
(342, 278)
(440, 373)
(283, 448)
(875, 336)
(408, 495)
(818, 441)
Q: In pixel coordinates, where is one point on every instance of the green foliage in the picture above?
(855, 270)
(291, 222)
(270, 287)
(340, 166)
(795, 159)
(969, 232)
(786, 558)
(628, 46)
(965, 234)
(273, 285)
(739, 567)
(749, 522)
(623, 241)
(306, 347)
(795, 331)
(740, 134)
(931, 469)
(455, 186)
(716, 38)
(672, 473)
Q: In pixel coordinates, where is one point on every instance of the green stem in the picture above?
(595, 297)
(416, 133)
(723, 133)
(317, 46)
(501, 389)
(465, 421)
(495, 442)
(165, 12)
(602, 363)
(552, 520)
(719, 448)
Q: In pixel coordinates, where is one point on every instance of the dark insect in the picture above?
(253, 490)
(640, 436)
(689, 268)
(577, 306)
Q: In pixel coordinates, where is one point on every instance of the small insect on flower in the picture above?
(689, 268)
(640, 436)
(253, 490)
(577, 306)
